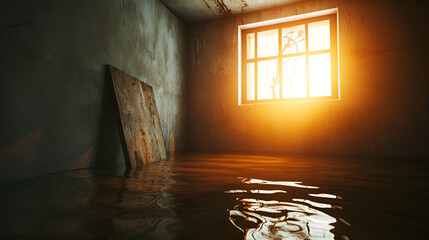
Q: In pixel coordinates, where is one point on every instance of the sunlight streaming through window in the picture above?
(320, 75)
(291, 60)
(293, 39)
(266, 76)
(268, 43)
(250, 46)
(251, 81)
(318, 35)
(294, 77)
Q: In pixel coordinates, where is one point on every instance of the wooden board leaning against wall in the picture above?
(141, 133)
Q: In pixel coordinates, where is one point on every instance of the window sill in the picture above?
(289, 101)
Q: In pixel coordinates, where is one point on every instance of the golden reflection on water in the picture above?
(265, 197)
(212, 196)
(274, 219)
(283, 183)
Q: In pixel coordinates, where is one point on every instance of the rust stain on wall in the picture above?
(244, 5)
(222, 8)
(208, 6)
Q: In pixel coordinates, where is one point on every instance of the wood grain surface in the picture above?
(141, 129)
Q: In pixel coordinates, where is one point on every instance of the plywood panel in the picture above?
(141, 129)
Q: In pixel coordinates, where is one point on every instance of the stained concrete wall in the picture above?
(384, 106)
(56, 111)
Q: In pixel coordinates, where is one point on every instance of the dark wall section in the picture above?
(384, 106)
(55, 107)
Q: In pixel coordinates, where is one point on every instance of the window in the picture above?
(294, 60)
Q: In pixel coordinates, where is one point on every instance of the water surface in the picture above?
(219, 196)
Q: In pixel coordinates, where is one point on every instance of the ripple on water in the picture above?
(259, 218)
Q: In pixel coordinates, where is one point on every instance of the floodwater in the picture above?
(218, 196)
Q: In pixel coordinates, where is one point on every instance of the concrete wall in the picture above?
(55, 107)
(384, 106)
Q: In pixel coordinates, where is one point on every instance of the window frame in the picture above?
(333, 50)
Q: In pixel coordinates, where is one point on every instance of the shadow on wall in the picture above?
(109, 152)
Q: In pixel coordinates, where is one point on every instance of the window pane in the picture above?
(293, 39)
(294, 77)
(268, 43)
(268, 86)
(250, 46)
(251, 81)
(320, 75)
(318, 33)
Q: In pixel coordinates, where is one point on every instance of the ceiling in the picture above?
(193, 11)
